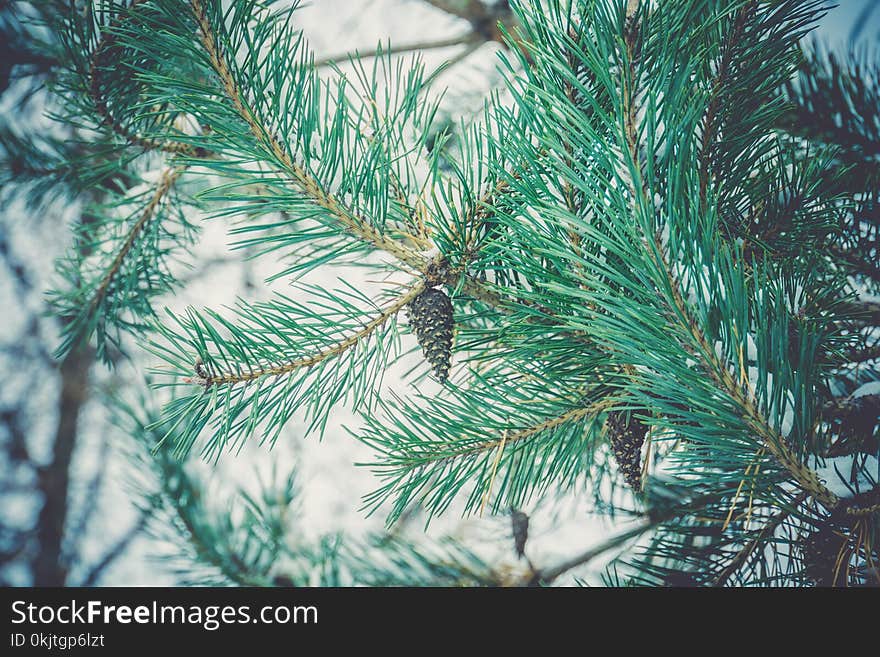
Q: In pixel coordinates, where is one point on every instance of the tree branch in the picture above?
(99, 60)
(863, 355)
(166, 182)
(547, 575)
(76, 531)
(207, 379)
(461, 40)
(806, 478)
(709, 119)
(310, 187)
(482, 17)
(117, 550)
(767, 531)
(507, 438)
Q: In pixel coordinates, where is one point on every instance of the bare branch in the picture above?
(548, 575)
(469, 10)
(117, 550)
(468, 38)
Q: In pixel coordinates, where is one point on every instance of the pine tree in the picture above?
(644, 265)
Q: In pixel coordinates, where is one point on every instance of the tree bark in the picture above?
(48, 567)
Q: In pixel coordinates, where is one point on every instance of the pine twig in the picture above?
(101, 53)
(651, 521)
(864, 355)
(166, 182)
(508, 438)
(767, 531)
(547, 575)
(806, 478)
(858, 261)
(207, 379)
(356, 225)
(710, 118)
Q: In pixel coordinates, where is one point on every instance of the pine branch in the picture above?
(775, 443)
(573, 415)
(546, 576)
(651, 521)
(863, 505)
(758, 541)
(841, 408)
(709, 125)
(204, 377)
(278, 358)
(568, 190)
(599, 285)
(79, 327)
(432, 450)
(175, 508)
(479, 215)
(166, 182)
(863, 355)
(865, 312)
(101, 59)
(861, 263)
(806, 478)
(835, 102)
(356, 225)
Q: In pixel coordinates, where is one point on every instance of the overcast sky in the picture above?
(837, 28)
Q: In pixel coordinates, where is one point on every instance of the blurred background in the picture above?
(75, 505)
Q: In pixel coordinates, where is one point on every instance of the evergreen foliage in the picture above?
(663, 233)
(254, 540)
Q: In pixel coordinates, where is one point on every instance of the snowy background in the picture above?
(332, 485)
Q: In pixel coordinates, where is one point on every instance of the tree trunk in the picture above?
(48, 566)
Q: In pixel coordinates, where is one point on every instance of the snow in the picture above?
(871, 388)
(836, 473)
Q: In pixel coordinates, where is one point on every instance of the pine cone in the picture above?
(821, 550)
(519, 522)
(627, 437)
(430, 315)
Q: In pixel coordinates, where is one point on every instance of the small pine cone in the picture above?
(627, 437)
(430, 315)
(860, 417)
(520, 525)
(821, 550)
